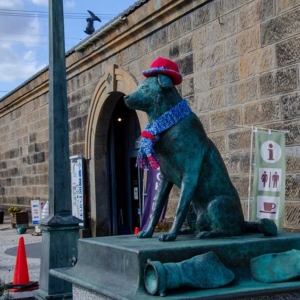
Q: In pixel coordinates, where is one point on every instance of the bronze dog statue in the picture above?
(188, 159)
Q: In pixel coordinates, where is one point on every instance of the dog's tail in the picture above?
(265, 226)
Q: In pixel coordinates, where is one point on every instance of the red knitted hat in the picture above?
(165, 66)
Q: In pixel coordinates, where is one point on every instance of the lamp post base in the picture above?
(59, 249)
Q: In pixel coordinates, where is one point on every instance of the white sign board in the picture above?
(36, 210)
(77, 190)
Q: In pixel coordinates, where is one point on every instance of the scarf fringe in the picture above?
(144, 162)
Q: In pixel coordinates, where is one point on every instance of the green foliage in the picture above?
(14, 209)
(4, 292)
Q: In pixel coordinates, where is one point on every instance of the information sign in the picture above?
(77, 187)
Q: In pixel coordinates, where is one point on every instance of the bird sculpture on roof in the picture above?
(90, 23)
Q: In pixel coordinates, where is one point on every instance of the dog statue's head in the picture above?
(157, 93)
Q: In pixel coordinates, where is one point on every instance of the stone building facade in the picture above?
(240, 65)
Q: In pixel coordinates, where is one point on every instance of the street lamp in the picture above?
(60, 230)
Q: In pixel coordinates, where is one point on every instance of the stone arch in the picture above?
(112, 86)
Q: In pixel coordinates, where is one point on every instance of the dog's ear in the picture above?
(164, 81)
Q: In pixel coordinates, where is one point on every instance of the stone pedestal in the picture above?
(113, 267)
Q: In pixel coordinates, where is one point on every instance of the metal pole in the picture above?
(250, 172)
(261, 128)
(60, 230)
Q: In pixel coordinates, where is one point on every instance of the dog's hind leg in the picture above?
(191, 221)
(187, 190)
(225, 216)
(160, 200)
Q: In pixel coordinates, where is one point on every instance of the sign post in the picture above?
(36, 212)
(77, 187)
(269, 177)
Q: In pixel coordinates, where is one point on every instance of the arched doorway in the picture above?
(114, 84)
(125, 177)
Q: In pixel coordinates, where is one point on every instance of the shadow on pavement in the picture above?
(32, 250)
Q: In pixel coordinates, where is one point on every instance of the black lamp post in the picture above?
(60, 230)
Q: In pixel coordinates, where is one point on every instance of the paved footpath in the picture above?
(9, 239)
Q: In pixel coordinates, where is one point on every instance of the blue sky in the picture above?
(24, 45)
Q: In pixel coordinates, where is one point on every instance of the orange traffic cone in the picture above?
(21, 276)
(136, 230)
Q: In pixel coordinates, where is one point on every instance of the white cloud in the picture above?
(16, 30)
(19, 41)
(25, 32)
(10, 4)
(40, 2)
(16, 67)
(69, 4)
(29, 55)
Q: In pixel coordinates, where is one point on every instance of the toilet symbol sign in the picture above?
(269, 177)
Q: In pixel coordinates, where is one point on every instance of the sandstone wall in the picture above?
(240, 61)
(241, 65)
(24, 153)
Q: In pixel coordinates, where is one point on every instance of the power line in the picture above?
(33, 44)
(44, 14)
(25, 42)
(26, 34)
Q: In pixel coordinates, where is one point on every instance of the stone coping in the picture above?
(114, 266)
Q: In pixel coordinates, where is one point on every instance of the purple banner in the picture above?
(152, 184)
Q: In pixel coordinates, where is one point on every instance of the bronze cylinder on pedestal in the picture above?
(201, 271)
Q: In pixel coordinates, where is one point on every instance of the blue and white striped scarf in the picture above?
(146, 155)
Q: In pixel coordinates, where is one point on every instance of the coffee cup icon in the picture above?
(269, 206)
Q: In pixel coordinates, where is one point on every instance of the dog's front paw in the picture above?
(168, 237)
(144, 234)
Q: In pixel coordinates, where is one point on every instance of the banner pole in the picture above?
(261, 128)
(250, 172)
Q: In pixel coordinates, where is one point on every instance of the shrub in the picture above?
(14, 209)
